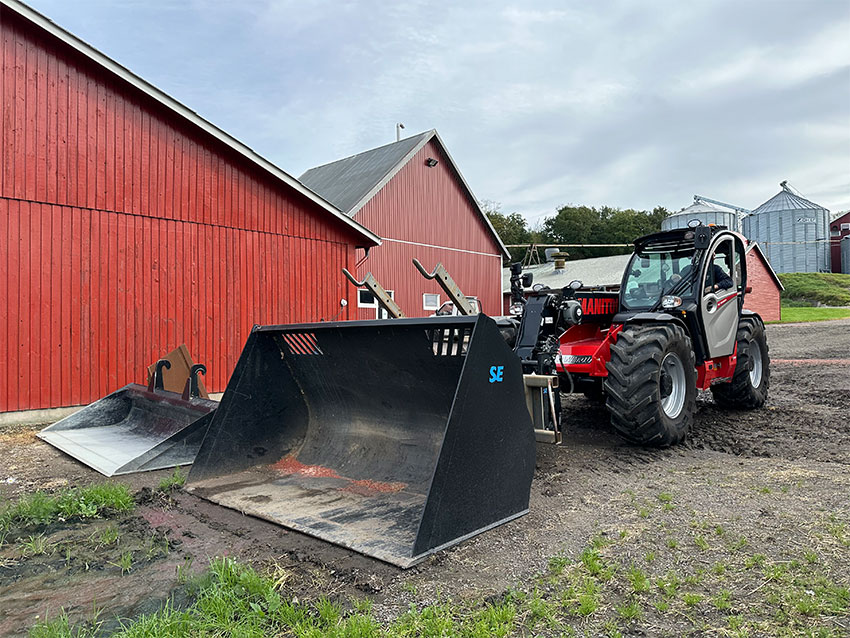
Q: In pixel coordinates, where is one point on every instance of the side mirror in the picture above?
(527, 280)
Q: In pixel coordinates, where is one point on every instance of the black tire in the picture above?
(747, 389)
(639, 386)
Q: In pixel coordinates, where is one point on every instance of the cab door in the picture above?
(720, 290)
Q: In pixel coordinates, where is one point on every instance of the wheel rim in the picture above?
(755, 364)
(673, 370)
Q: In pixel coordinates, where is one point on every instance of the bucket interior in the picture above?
(125, 426)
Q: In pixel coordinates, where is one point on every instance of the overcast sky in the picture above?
(629, 104)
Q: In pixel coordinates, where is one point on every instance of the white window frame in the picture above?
(360, 304)
(845, 226)
(426, 305)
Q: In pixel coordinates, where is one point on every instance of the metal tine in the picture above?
(453, 349)
(446, 343)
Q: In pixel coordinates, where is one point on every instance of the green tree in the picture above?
(605, 225)
(511, 228)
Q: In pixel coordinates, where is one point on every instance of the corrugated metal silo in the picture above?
(706, 213)
(845, 255)
(792, 231)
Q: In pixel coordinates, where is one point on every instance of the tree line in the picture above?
(576, 225)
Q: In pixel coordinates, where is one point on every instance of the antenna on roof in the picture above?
(788, 188)
(398, 128)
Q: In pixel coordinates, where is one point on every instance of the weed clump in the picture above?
(42, 508)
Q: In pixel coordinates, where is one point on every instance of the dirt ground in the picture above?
(774, 480)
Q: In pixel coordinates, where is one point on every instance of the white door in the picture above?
(719, 288)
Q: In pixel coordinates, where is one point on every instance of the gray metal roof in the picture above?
(183, 111)
(700, 207)
(351, 182)
(786, 200)
(347, 183)
(595, 271)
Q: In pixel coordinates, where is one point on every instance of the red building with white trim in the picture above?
(764, 298)
(413, 196)
(130, 225)
(839, 228)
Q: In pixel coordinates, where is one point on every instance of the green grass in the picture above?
(174, 480)
(801, 315)
(599, 592)
(41, 508)
(831, 289)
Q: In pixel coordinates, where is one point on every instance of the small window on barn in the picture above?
(430, 301)
(845, 226)
(366, 299)
(834, 231)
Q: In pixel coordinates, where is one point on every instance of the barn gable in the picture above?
(353, 182)
(413, 196)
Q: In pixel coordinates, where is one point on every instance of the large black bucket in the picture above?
(393, 438)
(133, 430)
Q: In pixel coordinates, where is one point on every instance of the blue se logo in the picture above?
(496, 373)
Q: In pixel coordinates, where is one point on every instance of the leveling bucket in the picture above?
(393, 438)
(136, 428)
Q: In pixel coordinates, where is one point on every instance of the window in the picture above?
(365, 299)
(845, 226)
(430, 301)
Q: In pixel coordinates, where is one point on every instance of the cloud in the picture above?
(619, 103)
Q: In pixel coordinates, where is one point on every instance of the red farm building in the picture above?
(130, 225)
(413, 196)
(839, 228)
(766, 287)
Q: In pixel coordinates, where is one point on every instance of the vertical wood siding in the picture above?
(125, 232)
(430, 206)
(477, 275)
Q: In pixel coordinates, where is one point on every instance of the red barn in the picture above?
(766, 287)
(839, 228)
(413, 196)
(129, 225)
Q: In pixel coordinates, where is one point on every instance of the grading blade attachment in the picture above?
(136, 428)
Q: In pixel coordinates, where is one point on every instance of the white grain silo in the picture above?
(703, 212)
(792, 231)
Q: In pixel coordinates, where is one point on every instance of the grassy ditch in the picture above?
(809, 288)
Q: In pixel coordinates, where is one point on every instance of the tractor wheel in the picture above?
(651, 384)
(749, 384)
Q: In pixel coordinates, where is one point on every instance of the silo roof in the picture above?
(786, 200)
(700, 207)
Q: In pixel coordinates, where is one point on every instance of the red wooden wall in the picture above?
(430, 210)
(835, 241)
(125, 231)
(764, 297)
